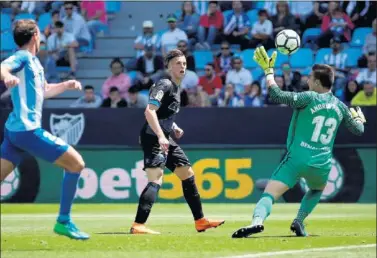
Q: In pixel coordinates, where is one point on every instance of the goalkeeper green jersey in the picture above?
(314, 125)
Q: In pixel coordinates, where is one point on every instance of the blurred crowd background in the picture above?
(117, 61)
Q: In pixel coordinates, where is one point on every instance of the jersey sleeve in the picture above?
(16, 62)
(292, 99)
(157, 92)
(352, 125)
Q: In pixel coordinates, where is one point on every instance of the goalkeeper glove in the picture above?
(358, 114)
(264, 61)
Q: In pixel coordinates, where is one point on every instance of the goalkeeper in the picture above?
(314, 124)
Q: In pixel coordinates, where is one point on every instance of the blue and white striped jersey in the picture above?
(27, 97)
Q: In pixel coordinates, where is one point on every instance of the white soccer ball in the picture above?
(10, 185)
(287, 42)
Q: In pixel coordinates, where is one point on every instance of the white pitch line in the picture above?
(41, 216)
(324, 249)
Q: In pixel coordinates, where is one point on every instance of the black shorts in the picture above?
(155, 158)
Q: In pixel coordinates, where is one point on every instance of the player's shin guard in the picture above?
(192, 197)
(67, 195)
(264, 206)
(308, 203)
(146, 201)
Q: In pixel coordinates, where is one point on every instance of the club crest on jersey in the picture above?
(159, 95)
(68, 127)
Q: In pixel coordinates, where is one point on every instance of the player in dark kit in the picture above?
(161, 151)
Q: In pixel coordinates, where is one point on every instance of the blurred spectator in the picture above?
(191, 80)
(151, 67)
(283, 19)
(358, 11)
(136, 99)
(50, 28)
(118, 78)
(5, 99)
(369, 46)
(227, 5)
(223, 60)
(350, 91)
(210, 26)
(368, 74)
(262, 31)
(240, 77)
(89, 100)
(33, 7)
(94, 13)
(75, 23)
(114, 100)
(237, 28)
(201, 6)
(296, 85)
(301, 10)
(170, 38)
(366, 97)
(189, 20)
(253, 96)
(338, 60)
(230, 98)
(61, 46)
(182, 45)
(320, 9)
(147, 38)
(48, 63)
(335, 24)
(210, 83)
(197, 98)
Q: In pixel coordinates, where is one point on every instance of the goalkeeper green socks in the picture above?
(308, 203)
(264, 206)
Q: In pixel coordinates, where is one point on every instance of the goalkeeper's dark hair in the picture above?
(325, 74)
(171, 55)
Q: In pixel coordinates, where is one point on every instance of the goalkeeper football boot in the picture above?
(254, 228)
(137, 228)
(298, 228)
(203, 224)
(70, 230)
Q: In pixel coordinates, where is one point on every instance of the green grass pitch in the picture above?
(26, 231)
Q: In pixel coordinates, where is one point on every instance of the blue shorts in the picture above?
(38, 143)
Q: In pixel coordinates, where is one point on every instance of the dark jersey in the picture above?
(166, 95)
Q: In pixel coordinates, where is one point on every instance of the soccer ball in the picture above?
(287, 42)
(334, 182)
(10, 185)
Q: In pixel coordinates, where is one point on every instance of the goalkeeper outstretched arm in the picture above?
(292, 99)
(353, 119)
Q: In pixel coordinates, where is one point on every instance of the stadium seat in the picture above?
(280, 60)
(6, 11)
(44, 20)
(257, 73)
(259, 5)
(358, 36)
(112, 6)
(253, 16)
(353, 55)
(306, 71)
(23, 16)
(320, 57)
(302, 58)
(247, 58)
(63, 69)
(310, 35)
(202, 57)
(7, 42)
(278, 72)
(226, 14)
(235, 48)
(133, 75)
(6, 22)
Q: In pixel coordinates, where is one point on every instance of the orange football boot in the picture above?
(137, 228)
(203, 224)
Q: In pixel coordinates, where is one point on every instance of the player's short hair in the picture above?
(88, 87)
(325, 74)
(171, 55)
(23, 31)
